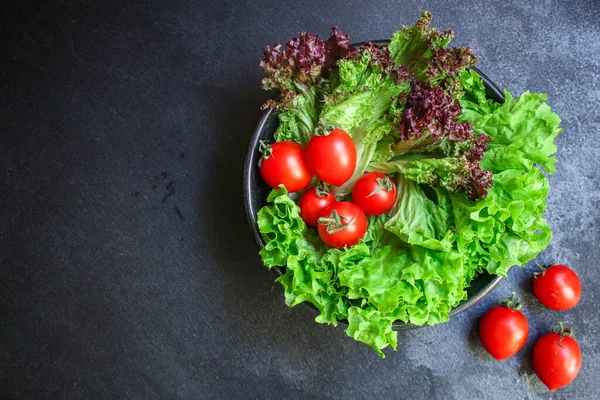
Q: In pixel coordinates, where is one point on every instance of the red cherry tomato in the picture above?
(332, 157)
(313, 204)
(557, 287)
(285, 163)
(503, 330)
(557, 358)
(375, 193)
(344, 224)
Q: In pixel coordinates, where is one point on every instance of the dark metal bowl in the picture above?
(256, 192)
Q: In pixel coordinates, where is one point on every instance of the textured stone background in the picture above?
(127, 269)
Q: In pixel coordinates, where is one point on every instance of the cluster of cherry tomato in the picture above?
(330, 155)
(503, 329)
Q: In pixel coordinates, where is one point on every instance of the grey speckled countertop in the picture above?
(127, 267)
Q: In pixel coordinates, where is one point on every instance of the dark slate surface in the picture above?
(127, 269)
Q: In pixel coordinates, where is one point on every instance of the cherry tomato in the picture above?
(332, 157)
(503, 329)
(284, 163)
(557, 287)
(557, 358)
(313, 204)
(344, 224)
(375, 193)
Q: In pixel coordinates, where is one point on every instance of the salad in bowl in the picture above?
(398, 177)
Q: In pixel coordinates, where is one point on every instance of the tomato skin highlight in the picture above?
(351, 233)
(503, 332)
(557, 365)
(371, 197)
(558, 287)
(312, 207)
(286, 165)
(332, 158)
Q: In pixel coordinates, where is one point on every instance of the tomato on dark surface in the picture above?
(557, 358)
(344, 224)
(314, 202)
(285, 163)
(503, 329)
(557, 287)
(331, 156)
(375, 193)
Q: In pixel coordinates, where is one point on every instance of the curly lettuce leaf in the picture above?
(370, 327)
(383, 150)
(297, 71)
(375, 231)
(297, 124)
(418, 220)
(411, 284)
(456, 174)
(437, 148)
(415, 45)
(281, 228)
(508, 228)
(523, 129)
(424, 50)
(474, 102)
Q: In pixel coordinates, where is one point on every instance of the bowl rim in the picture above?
(492, 91)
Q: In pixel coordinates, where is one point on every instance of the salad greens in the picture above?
(471, 192)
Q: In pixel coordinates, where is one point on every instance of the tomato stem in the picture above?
(542, 270)
(322, 190)
(334, 222)
(323, 130)
(560, 329)
(513, 302)
(383, 184)
(266, 150)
